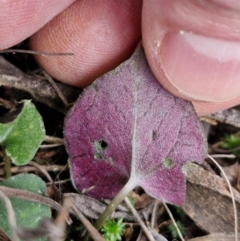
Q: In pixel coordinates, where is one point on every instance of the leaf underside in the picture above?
(126, 126)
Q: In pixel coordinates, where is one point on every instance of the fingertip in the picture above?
(192, 51)
(100, 34)
(20, 19)
(204, 108)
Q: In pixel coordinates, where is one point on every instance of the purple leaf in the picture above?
(126, 128)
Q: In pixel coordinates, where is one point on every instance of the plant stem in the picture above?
(7, 164)
(114, 203)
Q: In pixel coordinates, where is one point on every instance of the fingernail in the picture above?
(201, 68)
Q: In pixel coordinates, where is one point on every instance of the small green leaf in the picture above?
(4, 130)
(28, 213)
(22, 137)
(230, 141)
(173, 229)
(113, 230)
(131, 200)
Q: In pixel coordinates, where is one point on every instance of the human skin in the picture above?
(192, 46)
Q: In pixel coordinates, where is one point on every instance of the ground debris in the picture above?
(215, 237)
(92, 208)
(40, 90)
(208, 201)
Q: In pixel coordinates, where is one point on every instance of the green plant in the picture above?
(28, 213)
(131, 200)
(74, 230)
(180, 212)
(173, 229)
(19, 141)
(21, 138)
(230, 141)
(113, 230)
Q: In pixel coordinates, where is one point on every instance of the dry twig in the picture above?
(228, 116)
(55, 87)
(30, 196)
(232, 195)
(50, 146)
(13, 51)
(11, 215)
(26, 169)
(153, 218)
(53, 139)
(223, 156)
(174, 222)
(90, 228)
(41, 169)
(135, 213)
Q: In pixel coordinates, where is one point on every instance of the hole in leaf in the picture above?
(100, 145)
(103, 144)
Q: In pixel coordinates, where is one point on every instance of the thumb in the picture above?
(193, 48)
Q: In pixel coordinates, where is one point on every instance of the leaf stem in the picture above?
(113, 204)
(7, 164)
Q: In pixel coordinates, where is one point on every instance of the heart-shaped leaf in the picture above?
(22, 137)
(28, 213)
(126, 128)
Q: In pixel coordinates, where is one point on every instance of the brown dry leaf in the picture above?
(229, 116)
(92, 208)
(232, 173)
(208, 201)
(140, 201)
(40, 90)
(216, 237)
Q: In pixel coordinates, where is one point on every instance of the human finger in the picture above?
(193, 49)
(100, 34)
(20, 19)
